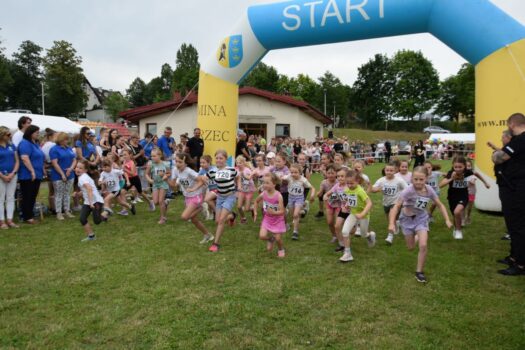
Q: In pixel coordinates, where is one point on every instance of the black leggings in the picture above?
(135, 182)
(86, 210)
(29, 191)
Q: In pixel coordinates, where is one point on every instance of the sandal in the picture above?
(12, 224)
(3, 226)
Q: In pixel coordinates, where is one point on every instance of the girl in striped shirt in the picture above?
(225, 177)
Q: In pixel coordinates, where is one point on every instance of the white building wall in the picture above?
(92, 100)
(184, 121)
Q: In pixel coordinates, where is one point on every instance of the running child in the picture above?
(297, 185)
(130, 169)
(192, 186)
(433, 180)
(93, 201)
(110, 183)
(391, 186)
(340, 160)
(364, 182)
(403, 171)
(332, 204)
(158, 174)
(211, 195)
(326, 159)
(273, 225)
(338, 190)
(413, 203)
(306, 171)
(359, 205)
(246, 188)
(457, 179)
(225, 177)
(281, 170)
(260, 170)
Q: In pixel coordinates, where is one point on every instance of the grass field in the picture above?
(374, 136)
(141, 285)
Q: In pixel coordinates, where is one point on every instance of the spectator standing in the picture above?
(31, 171)
(167, 144)
(242, 148)
(23, 124)
(9, 165)
(62, 175)
(195, 148)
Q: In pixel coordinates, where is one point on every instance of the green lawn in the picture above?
(145, 286)
(375, 136)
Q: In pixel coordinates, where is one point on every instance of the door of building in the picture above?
(253, 129)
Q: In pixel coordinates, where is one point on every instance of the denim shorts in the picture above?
(226, 202)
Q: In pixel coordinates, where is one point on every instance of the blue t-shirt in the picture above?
(164, 144)
(88, 150)
(65, 157)
(36, 156)
(212, 185)
(7, 158)
(148, 147)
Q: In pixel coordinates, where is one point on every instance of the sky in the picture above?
(120, 40)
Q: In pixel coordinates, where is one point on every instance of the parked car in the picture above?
(435, 130)
(21, 111)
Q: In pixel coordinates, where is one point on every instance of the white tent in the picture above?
(465, 138)
(59, 124)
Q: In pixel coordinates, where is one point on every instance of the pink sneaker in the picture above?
(214, 248)
(281, 253)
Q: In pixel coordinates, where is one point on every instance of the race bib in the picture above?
(460, 184)
(390, 190)
(296, 190)
(185, 183)
(223, 175)
(422, 203)
(352, 201)
(267, 206)
(432, 184)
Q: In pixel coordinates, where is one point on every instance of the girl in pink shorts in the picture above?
(246, 187)
(332, 204)
(192, 186)
(273, 225)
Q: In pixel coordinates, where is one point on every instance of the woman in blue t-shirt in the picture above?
(63, 161)
(31, 171)
(8, 169)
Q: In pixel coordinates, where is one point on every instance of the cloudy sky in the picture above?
(122, 39)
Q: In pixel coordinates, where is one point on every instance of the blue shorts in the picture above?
(295, 201)
(225, 202)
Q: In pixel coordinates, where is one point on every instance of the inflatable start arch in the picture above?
(478, 30)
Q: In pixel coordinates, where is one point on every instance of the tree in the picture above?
(263, 77)
(416, 87)
(155, 91)
(26, 70)
(337, 97)
(6, 81)
(372, 90)
(457, 94)
(187, 67)
(115, 103)
(136, 93)
(65, 95)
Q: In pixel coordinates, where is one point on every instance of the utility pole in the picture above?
(43, 101)
(324, 101)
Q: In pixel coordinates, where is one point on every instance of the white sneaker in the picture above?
(60, 217)
(347, 257)
(139, 200)
(390, 239)
(358, 231)
(206, 239)
(371, 239)
(459, 235)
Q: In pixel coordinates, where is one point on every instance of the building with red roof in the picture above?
(260, 113)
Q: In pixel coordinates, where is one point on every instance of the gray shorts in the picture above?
(295, 201)
(413, 224)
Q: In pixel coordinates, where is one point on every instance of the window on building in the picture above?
(282, 130)
(317, 131)
(151, 128)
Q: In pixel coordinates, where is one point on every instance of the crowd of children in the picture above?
(283, 191)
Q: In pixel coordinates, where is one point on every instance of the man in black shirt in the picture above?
(338, 146)
(513, 200)
(195, 147)
(388, 153)
(242, 148)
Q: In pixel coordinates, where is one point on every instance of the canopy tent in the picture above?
(59, 124)
(464, 138)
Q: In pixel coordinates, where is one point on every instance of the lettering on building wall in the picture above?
(330, 11)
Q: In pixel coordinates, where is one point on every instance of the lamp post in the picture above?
(324, 101)
(43, 102)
